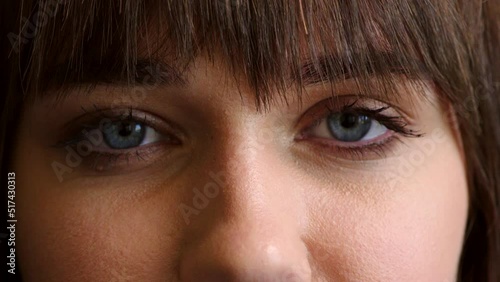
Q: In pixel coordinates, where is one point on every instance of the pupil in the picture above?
(348, 120)
(124, 134)
(126, 129)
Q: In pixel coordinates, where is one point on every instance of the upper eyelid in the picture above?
(91, 120)
(335, 104)
(405, 95)
(104, 113)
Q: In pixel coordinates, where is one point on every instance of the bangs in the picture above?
(275, 44)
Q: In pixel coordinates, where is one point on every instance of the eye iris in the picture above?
(124, 134)
(349, 127)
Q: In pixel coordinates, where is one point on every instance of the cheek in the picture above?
(88, 232)
(79, 239)
(411, 230)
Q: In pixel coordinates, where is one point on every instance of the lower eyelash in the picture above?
(104, 161)
(363, 152)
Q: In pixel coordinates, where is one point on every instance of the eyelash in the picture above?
(394, 123)
(101, 160)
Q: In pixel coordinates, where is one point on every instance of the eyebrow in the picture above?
(327, 68)
(334, 67)
(147, 72)
(155, 71)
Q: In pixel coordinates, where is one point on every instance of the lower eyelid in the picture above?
(333, 142)
(329, 152)
(164, 141)
(125, 160)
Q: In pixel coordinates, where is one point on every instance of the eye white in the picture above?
(150, 136)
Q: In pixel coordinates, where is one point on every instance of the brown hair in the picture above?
(453, 43)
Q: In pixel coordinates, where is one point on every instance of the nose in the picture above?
(238, 253)
(251, 231)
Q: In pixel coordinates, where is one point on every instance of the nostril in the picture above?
(251, 267)
(285, 276)
(229, 252)
(254, 276)
(210, 276)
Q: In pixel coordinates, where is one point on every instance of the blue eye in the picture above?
(349, 127)
(123, 134)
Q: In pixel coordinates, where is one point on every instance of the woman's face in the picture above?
(183, 178)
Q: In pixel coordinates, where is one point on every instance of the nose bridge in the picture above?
(251, 232)
(257, 180)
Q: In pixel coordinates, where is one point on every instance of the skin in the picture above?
(278, 208)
